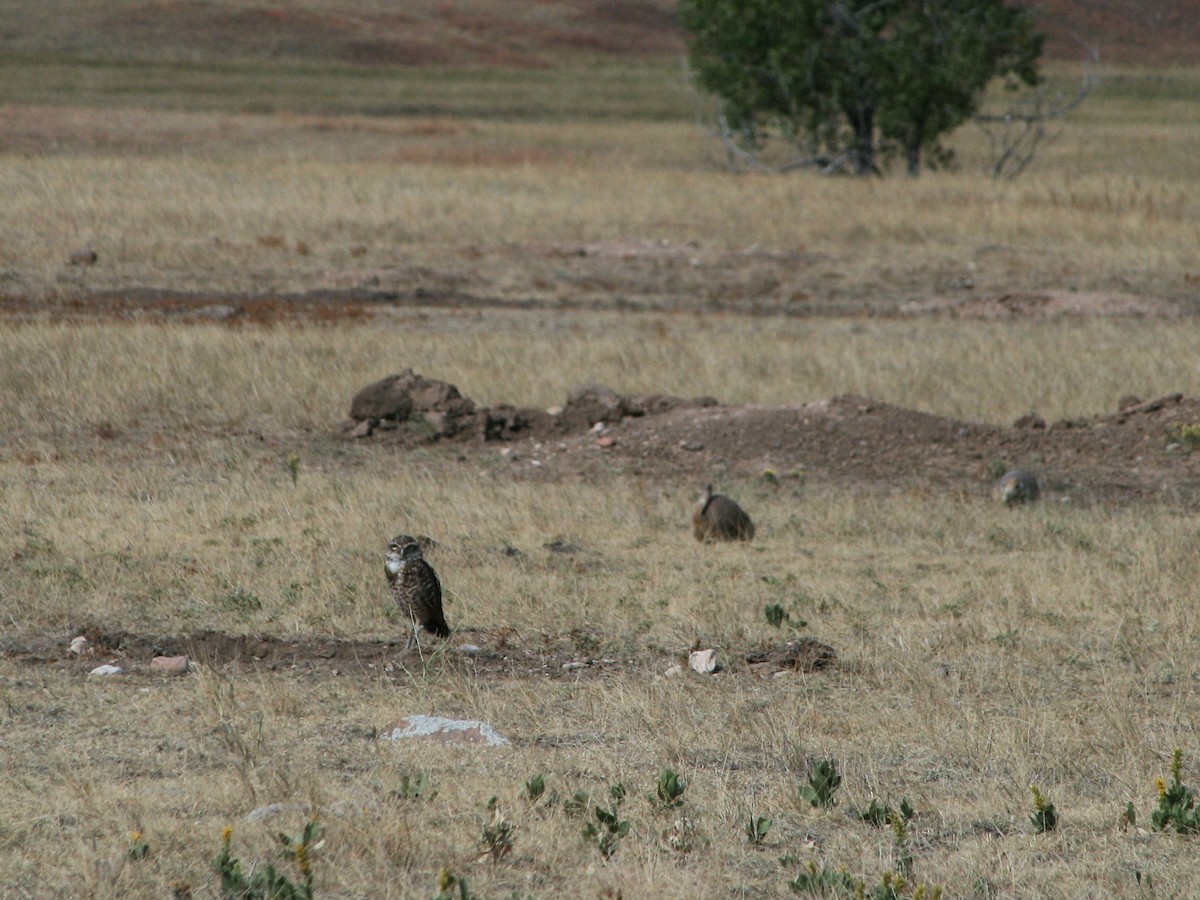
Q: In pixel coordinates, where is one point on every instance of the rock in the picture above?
(595, 403)
(691, 446)
(363, 429)
(81, 646)
(271, 810)
(171, 665)
(1015, 488)
(217, 312)
(674, 671)
(500, 423)
(398, 396)
(703, 662)
(449, 732)
(387, 398)
(606, 441)
(107, 669)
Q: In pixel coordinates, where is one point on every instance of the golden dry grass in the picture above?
(983, 649)
(144, 485)
(220, 203)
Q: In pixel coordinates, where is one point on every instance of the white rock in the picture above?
(597, 428)
(107, 669)
(703, 662)
(456, 732)
(675, 671)
(80, 645)
(554, 411)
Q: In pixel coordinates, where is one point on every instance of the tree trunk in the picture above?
(864, 142)
(913, 154)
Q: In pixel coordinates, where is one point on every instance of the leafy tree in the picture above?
(848, 79)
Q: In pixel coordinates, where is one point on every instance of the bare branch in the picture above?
(1019, 132)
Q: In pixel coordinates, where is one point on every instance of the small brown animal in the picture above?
(1016, 487)
(717, 518)
(415, 587)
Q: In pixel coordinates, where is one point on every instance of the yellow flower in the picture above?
(227, 834)
(302, 860)
(135, 836)
(1162, 787)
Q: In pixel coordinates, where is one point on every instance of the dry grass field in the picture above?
(174, 479)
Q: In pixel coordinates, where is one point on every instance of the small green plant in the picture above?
(498, 834)
(824, 881)
(1044, 817)
(608, 829)
(880, 814)
(670, 789)
(414, 787)
(535, 787)
(756, 829)
(294, 468)
(1176, 802)
(901, 851)
(447, 882)
(269, 884)
(775, 615)
(238, 599)
(827, 882)
(823, 782)
(577, 803)
(1185, 434)
(139, 847)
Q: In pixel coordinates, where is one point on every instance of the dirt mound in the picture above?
(1135, 454)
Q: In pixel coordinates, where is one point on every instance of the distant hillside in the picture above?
(516, 33)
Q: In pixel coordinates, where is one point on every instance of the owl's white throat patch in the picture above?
(394, 565)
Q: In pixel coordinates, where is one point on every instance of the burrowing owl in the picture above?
(415, 587)
(1016, 487)
(717, 518)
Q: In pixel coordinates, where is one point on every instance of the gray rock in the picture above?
(448, 732)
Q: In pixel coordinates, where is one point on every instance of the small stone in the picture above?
(691, 446)
(571, 666)
(81, 646)
(274, 809)
(470, 649)
(554, 411)
(597, 427)
(703, 662)
(363, 429)
(171, 665)
(107, 669)
(606, 441)
(449, 732)
(674, 671)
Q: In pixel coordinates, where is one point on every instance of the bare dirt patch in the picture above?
(1132, 455)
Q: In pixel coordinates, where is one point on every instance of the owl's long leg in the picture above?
(414, 637)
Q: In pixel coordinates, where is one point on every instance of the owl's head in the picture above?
(400, 549)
